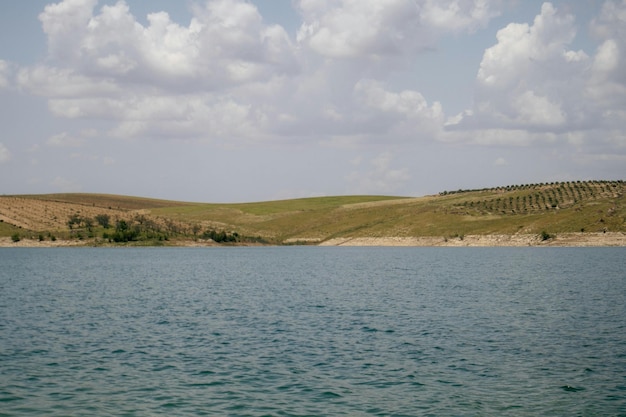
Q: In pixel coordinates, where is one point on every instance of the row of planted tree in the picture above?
(539, 197)
(603, 185)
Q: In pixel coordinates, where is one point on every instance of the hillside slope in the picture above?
(521, 210)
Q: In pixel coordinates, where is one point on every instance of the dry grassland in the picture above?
(576, 213)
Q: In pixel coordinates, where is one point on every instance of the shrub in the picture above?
(546, 236)
(220, 237)
(104, 220)
(15, 237)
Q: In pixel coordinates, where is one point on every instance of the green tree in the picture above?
(121, 226)
(74, 219)
(104, 220)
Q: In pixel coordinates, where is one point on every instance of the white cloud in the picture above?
(401, 114)
(378, 177)
(211, 79)
(108, 161)
(525, 77)
(375, 29)
(5, 74)
(536, 110)
(607, 84)
(459, 15)
(65, 24)
(65, 140)
(523, 48)
(5, 155)
(64, 185)
(230, 78)
(65, 83)
(610, 22)
(531, 87)
(225, 43)
(500, 162)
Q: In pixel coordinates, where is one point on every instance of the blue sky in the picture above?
(234, 100)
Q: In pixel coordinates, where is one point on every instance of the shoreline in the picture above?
(608, 239)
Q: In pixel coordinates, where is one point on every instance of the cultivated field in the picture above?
(530, 213)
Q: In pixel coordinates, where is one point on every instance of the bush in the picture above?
(546, 236)
(104, 220)
(15, 237)
(220, 237)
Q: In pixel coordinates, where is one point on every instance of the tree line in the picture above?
(143, 228)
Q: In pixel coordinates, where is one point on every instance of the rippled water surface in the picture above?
(308, 331)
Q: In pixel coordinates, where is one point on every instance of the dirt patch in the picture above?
(39, 215)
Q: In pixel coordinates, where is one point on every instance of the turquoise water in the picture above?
(308, 331)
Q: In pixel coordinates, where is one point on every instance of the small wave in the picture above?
(570, 388)
(330, 394)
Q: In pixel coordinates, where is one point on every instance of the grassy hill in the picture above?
(564, 207)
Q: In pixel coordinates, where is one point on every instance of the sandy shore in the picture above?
(563, 239)
(7, 242)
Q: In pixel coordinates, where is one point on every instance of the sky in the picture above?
(255, 100)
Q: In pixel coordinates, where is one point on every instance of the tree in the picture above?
(74, 220)
(195, 229)
(121, 226)
(88, 221)
(104, 220)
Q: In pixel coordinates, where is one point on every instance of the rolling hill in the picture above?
(540, 210)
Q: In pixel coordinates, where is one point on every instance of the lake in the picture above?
(311, 331)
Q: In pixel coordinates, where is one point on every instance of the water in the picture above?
(307, 331)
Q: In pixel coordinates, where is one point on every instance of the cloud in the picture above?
(500, 162)
(64, 83)
(398, 114)
(607, 84)
(230, 78)
(377, 177)
(532, 87)
(210, 79)
(64, 185)
(65, 140)
(226, 43)
(5, 74)
(108, 161)
(375, 29)
(521, 82)
(5, 155)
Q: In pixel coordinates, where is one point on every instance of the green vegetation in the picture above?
(560, 207)
(220, 237)
(103, 220)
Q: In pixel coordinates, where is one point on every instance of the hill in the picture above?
(518, 214)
